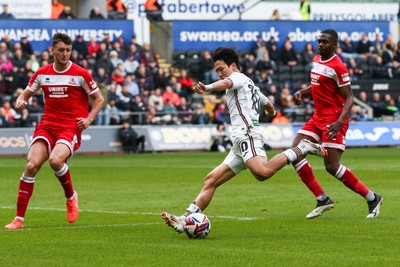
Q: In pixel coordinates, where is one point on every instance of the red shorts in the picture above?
(316, 128)
(56, 134)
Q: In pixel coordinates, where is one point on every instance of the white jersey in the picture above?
(244, 99)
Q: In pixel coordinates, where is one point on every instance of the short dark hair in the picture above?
(61, 37)
(332, 33)
(227, 55)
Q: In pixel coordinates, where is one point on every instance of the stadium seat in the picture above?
(179, 57)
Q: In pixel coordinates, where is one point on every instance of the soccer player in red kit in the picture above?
(333, 98)
(66, 88)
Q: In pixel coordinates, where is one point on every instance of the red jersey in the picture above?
(326, 79)
(66, 94)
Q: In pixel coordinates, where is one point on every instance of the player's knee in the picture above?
(31, 168)
(56, 163)
(331, 168)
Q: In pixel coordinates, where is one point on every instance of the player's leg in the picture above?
(215, 178)
(57, 159)
(346, 176)
(37, 155)
(306, 174)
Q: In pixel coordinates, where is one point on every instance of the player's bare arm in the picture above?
(22, 100)
(98, 100)
(334, 128)
(220, 85)
(269, 109)
(298, 96)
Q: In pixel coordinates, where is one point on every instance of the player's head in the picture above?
(327, 43)
(61, 48)
(226, 61)
(61, 37)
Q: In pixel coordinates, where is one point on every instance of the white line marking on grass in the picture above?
(83, 226)
(137, 213)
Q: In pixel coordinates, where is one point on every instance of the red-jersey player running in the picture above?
(333, 99)
(66, 87)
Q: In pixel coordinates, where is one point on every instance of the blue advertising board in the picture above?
(209, 35)
(40, 32)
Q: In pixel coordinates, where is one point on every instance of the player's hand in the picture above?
(83, 123)
(200, 88)
(20, 103)
(333, 129)
(297, 98)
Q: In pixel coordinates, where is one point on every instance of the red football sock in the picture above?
(64, 177)
(351, 181)
(306, 174)
(25, 191)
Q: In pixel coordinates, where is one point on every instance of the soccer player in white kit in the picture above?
(244, 102)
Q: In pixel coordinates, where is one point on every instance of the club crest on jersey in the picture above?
(47, 80)
(72, 81)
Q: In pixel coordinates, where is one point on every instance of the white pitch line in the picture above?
(136, 213)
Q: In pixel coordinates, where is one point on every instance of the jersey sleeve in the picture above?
(342, 75)
(34, 82)
(263, 99)
(88, 84)
(236, 80)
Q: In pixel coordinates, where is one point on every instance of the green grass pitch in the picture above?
(121, 198)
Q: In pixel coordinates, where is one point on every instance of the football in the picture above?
(197, 225)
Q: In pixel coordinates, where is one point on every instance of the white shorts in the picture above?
(244, 149)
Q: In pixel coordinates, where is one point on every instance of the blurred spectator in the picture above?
(14, 79)
(288, 54)
(134, 42)
(348, 48)
(308, 54)
(133, 49)
(387, 55)
(362, 95)
(145, 78)
(259, 44)
(394, 70)
(221, 114)
(156, 98)
(275, 15)
(199, 116)
(130, 139)
(355, 71)
(184, 111)
(379, 70)
(131, 85)
(263, 79)
(363, 46)
(279, 118)
(4, 122)
(220, 140)
(160, 78)
(138, 108)
(130, 65)
(153, 10)
(6, 64)
(100, 76)
(117, 76)
(207, 67)
(115, 60)
(56, 9)
(95, 13)
(105, 63)
(274, 53)
(376, 101)
(93, 47)
(67, 13)
(149, 57)
(397, 51)
(9, 113)
(170, 95)
(7, 40)
(26, 46)
(116, 9)
(305, 9)
(6, 14)
(389, 42)
(112, 113)
(266, 64)
(187, 83)
(107, 41)
(376, 46)
(249, 62)
(80, 46)
(122, 53)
